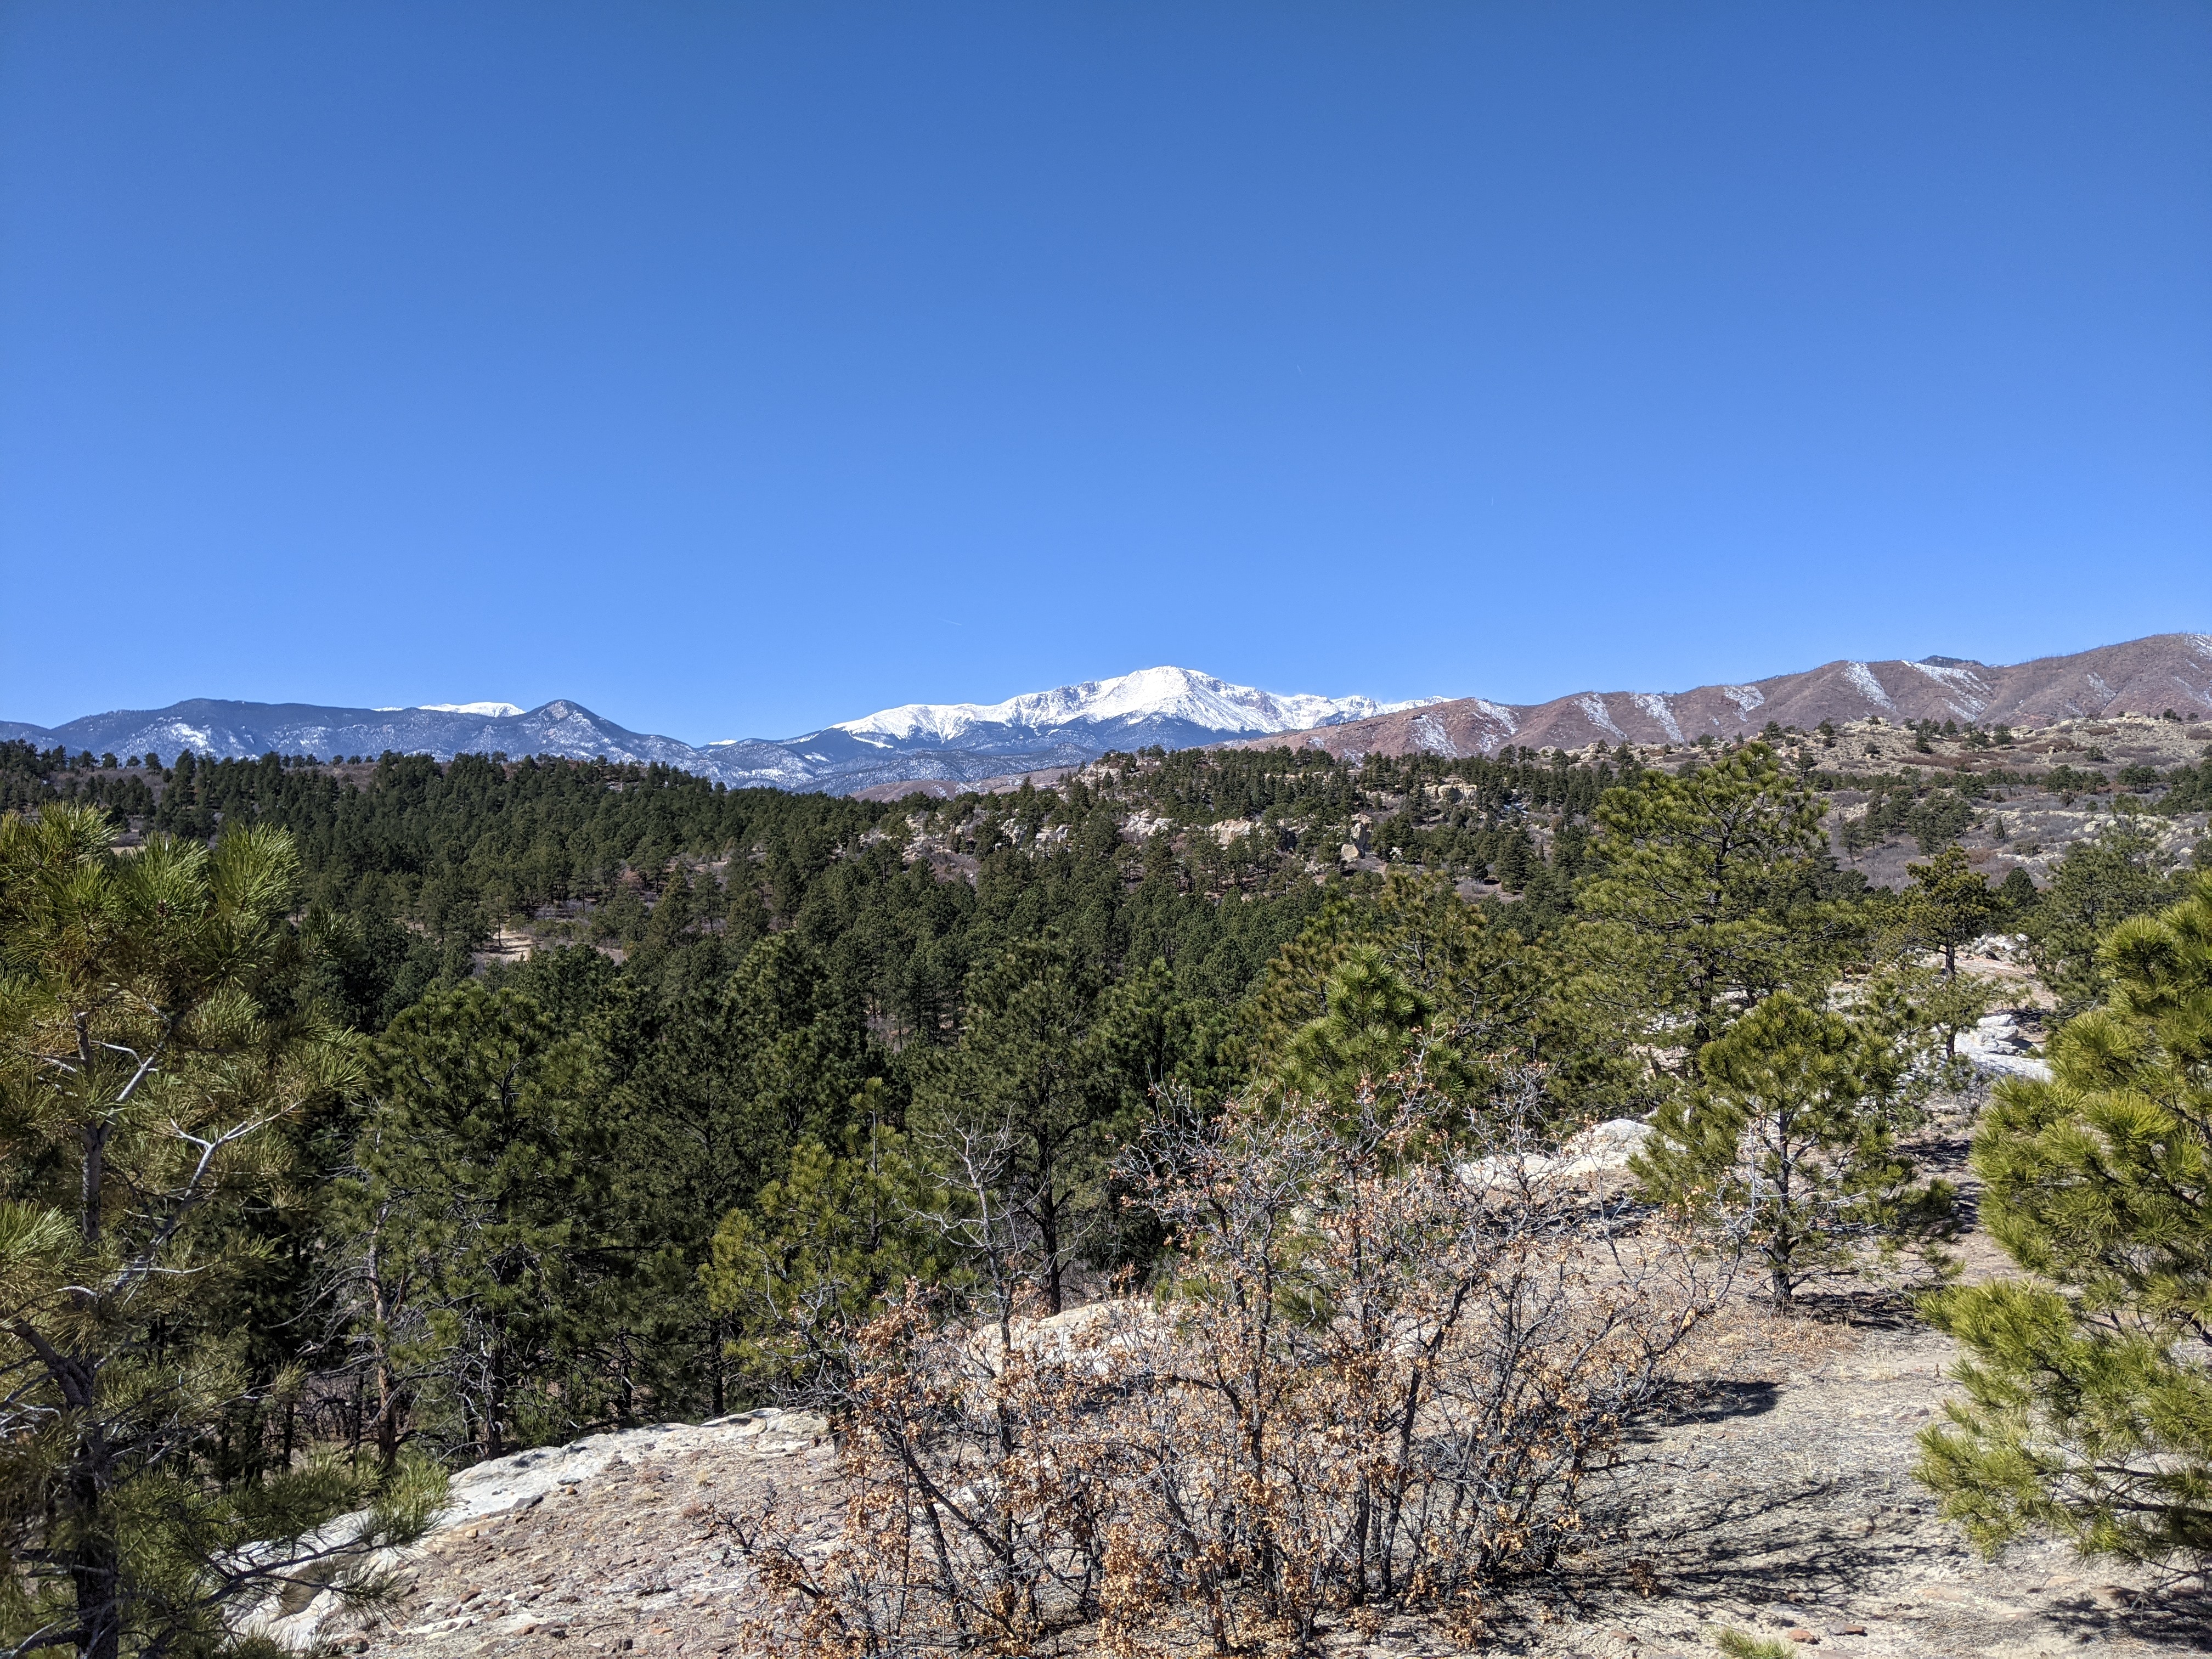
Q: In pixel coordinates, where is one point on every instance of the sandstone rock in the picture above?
(1997, 1047)
(1602, 1149)
(545, 1494)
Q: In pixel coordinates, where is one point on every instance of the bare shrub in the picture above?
(1380, 1363)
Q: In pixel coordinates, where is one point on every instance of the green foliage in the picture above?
(1742, 1644)
(1027, 1097)
(838, 1233)
(472, 1191)
(712, 1084)
(1933, 818)
(1788, 1145)
(144, 1094)
(1372, 1021)
(2089, 1395)
(1949, 904)
(2099, 883)
(1706, 897)
(1469, 974)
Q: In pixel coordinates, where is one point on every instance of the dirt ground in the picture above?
(1774, 1495)
(1782, 1503)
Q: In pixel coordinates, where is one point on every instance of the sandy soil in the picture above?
(1773, 1495)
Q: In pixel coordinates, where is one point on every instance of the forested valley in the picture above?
(365, 1119)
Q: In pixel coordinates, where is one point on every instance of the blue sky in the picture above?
(734, 369)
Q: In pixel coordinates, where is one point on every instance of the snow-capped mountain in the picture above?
(961, 741)
(1175, 707)
(1148, 697)
(241, 731)
(964, 742)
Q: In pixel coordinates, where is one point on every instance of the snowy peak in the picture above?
(492, 710)
(1178, 696)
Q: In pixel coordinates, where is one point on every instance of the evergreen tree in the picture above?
(1949, 904)
(144, 1091)
(818, 1251)
(2088, 1392)
(470, 1189)
(1029, 1087)
(1469, 971)
(1705, 900)
(1788, 1145)
(2099, 883)
(2016, 893)
(1373, 1021)
(711, 1086)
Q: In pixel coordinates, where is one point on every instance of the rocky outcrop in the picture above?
(2000, 1045)
(604, 1545)
(1602, 1149)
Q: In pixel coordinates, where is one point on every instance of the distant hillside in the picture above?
(944, 748)
(241, 731)
(954, 743)
(2144, 676)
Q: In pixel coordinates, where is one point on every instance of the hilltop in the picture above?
(760, 966)
(947, 748)
(2165, 672)
(1170, 707)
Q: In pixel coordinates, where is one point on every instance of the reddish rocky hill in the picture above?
(2147, 676)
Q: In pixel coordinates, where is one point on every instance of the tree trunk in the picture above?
(1049, 1237)
(387, 1415)
(96, 1570)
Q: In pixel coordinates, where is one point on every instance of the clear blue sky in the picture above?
(734, 369)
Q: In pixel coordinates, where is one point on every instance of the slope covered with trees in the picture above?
(562, 1095)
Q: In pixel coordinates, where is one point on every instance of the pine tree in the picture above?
(1949, 904)
(2101, 882)
(1028, 1078)
(1788, 1145)
(710, 1087)
(824, 1244)
(1702, 901)
(1373, 1020)
(469, 1187)
(2088, 1392)
(144, 1094)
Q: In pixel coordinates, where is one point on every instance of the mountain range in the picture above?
(955, 744)
(2146, 677)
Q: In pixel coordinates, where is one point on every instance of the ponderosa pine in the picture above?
(2087, 1406)
(1787, 1147)
(144, 1093)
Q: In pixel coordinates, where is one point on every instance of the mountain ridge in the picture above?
(953, 744)
(944, 743)
(2146, 676)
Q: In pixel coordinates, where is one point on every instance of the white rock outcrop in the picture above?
(1604, 1148)
(1997, 1047)
(298, 1617)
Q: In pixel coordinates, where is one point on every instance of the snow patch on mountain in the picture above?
(1862, 677)
(496, 710)
(1149, 694)
(1652, 703)
(1600, 716)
